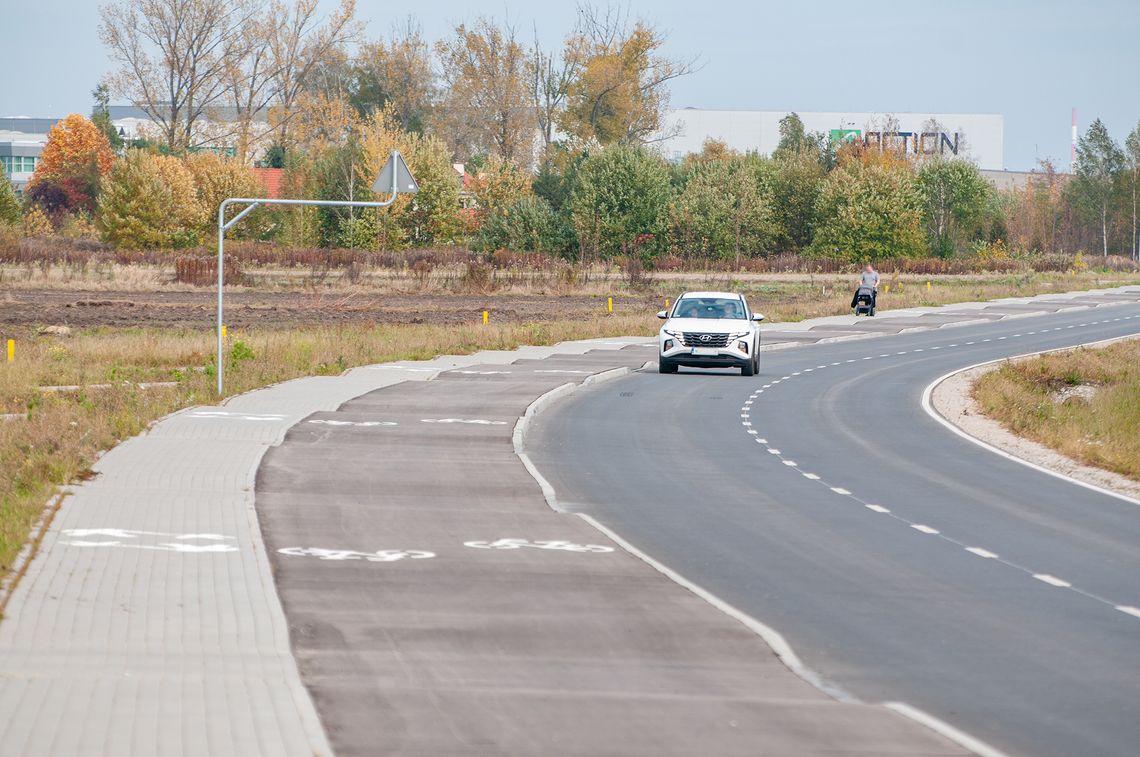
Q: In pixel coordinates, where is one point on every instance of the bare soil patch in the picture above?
(47, 307)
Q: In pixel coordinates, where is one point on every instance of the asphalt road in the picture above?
(437, 606)
(797, 496)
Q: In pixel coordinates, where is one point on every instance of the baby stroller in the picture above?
(864, 301)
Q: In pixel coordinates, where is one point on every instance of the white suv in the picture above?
(710, 330)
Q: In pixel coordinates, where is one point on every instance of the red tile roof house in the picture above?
(272, 179)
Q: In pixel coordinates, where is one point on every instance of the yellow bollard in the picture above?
(609, 304)
(928, 287)
(486, 317)
(11, 350)
(666, 303)
(886, 288)
(223, 331)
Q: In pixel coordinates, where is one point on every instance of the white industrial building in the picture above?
(974, 136)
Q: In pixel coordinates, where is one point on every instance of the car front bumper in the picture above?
(736, 354)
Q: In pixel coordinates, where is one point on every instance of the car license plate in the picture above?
(708, 351)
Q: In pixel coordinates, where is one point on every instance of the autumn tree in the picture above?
(712, 151)
(1132, 155)
(148, 201)
(400, 70)
(427, 217)
(1099, 161)
(551, 75)
(101, 116)
(796, 182)
(486, 104)
(793, 136)
(620, 92)
(955, 198)
(724, 210)
(619, 202)
(75, 157)
(217, 177)
(172, 56)
(499, 185)
(9, 203)
(299, 42)
(869, 209)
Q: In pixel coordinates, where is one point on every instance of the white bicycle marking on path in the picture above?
(326, 422)
(392, 367)
(472, 421)
(556, 544)
(115, 537)
(380, 555)
(237, 416)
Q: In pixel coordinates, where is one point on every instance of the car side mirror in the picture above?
(663, 314)
(757, 317)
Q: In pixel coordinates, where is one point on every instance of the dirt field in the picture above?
(85, 309)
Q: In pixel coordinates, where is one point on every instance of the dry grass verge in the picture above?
(1084, 403)
(64, 432)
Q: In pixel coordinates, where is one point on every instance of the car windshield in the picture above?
(710, 307)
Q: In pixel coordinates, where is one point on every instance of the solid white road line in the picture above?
(771, 636)
(959, 737)
(928, 406)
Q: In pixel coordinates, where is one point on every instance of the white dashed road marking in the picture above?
(1046, 578)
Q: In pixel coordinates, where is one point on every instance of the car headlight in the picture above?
(740, 335)
(674, 334)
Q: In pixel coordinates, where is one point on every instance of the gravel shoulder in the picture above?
(953, 401)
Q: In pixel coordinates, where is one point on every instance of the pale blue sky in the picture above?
(1030, 61)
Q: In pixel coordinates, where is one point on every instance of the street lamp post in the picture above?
(394, 178)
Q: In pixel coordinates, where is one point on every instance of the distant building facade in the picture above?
(22, 142)
(975, 136)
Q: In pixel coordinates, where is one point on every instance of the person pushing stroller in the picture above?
(868, 287)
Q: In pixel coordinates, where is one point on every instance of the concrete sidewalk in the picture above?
(843, 327)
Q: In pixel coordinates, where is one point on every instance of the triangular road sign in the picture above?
(405, 182)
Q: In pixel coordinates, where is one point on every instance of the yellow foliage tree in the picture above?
(487, 104)
(499, 185)
(148, 201)
(621, 90)
(215, 179)
(424, 218)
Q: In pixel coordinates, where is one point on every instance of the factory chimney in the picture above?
(1073, 148)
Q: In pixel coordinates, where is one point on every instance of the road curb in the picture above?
(933, 412)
